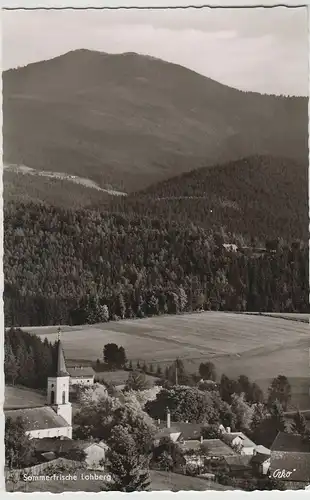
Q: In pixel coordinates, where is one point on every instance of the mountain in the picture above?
(261, 197)
(129, 120)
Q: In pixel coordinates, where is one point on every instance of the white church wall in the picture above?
(50, 433)
(82, 381)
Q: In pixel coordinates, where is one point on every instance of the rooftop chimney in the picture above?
(228, 429)
(201, 439)
(168, 419)
(158, 420)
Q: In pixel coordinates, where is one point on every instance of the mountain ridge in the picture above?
(131, 121)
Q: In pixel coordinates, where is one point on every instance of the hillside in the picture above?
(261, 197)
(68, 266)
(129, 120)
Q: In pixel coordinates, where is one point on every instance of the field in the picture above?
(118, 377)
(261, 347)
(159, 481)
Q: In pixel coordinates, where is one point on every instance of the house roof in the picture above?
(57, 445)
(187, 429)
(228, 437)
(296, 462)
(238, 462)
(43, 417)
(165, 432)
(262, 450)
(191, 444)
(260, 458)
(216, 448)
(81, 371)
(290, 442)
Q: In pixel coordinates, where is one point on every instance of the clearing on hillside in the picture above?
(260, 347)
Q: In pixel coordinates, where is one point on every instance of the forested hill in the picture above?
(64, 267)
(128, 120)
(258, 197)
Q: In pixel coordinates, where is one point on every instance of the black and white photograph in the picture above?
(156, 253)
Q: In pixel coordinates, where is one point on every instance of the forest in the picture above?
(86, 266)
(26, 356)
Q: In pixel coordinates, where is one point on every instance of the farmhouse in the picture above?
(81, 375)
(177, 431)
(239, 441)
(291, 453)
(50, 449)
(261, 460)
(55, 418)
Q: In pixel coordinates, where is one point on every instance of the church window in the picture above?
(63, 397)
(52, 397)
(52, 385)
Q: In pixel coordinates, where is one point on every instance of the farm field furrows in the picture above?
(258, 346)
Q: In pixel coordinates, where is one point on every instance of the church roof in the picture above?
(43, 417)
(81, 371)
(60, 369)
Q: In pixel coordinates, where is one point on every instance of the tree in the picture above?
(211, 431)
(243, 412)
(207, 371)
(185, 403)
(11, 367)
(114, 355)
(227, 388)
(280, 390)
(158, 371)
(128, 468)
(19, 449)
(299, 425)
(137, 381)
(259, 414)
(168, 455)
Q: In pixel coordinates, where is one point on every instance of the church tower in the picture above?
(58, 386)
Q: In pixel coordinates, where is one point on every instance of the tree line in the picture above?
(28, 360)
(85, 266)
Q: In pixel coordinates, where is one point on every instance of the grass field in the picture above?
(159, 481)
(118, 377)
(261, 347)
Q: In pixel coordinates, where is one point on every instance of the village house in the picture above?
(290, 460)
(261, 461)
(49, 449)
(239, 442)
(81, 376)
(177, 431)
(55, 418)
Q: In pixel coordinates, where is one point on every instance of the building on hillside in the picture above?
(177, 431)
(215, 448)
(291, 453)
(55, 418)
(239, 441)
(230, 247)
(261, 461)
(50, 449)
(238, 465)
(81, 376)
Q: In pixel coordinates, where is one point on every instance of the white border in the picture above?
(28, 4)
(183, 495)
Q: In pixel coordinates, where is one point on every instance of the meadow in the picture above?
(258, 346)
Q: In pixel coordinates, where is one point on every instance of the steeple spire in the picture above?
(60, 369)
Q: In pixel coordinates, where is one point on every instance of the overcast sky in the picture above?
(264, 50)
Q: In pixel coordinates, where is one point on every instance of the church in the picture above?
(55, 418)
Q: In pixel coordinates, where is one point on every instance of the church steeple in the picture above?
(60, 369)
(58, 385)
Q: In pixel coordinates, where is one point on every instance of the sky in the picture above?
(263, 50)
